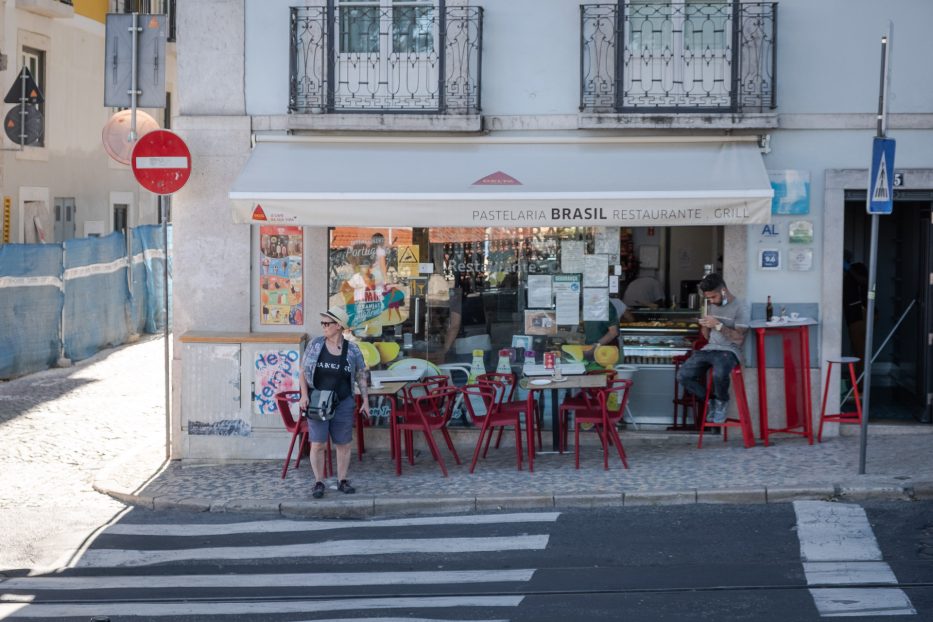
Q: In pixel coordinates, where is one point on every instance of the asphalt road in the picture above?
(696, 562)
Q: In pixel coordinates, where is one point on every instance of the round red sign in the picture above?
(161, 162)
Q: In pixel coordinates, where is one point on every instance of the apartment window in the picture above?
(35, 60)
(410, 25)
(120, 211)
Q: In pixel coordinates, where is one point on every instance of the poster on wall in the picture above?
(800, 259)
(372, 272)
(791, 192)
(539, 291)
(281, 276)
(800, 232)
(769, 259)
(274, 371)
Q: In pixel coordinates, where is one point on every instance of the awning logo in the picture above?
(258, 213)
(497, 179)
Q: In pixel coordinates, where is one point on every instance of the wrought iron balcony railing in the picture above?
(407, 58)
(157, 7)
(678, 57)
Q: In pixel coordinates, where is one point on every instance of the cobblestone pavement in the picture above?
(59, 427)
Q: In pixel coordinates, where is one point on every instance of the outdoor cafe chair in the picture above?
(491, 417)
(432, 411)
(298, 429)
(584, 400)
(506, 403)
(605, 420)
(406, 408)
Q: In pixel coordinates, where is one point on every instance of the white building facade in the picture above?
(667, 122)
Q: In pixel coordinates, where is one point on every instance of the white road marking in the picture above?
(834, 532)
(829, 573)
(838, 546)
(218, 608)
(833, 602)
(313, 579)
(333, 548)
(279, 526)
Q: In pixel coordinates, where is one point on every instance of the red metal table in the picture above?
(795, 340)
(576, 381)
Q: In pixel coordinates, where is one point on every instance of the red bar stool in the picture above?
(683, 399)
(744, 422)
(847, 417)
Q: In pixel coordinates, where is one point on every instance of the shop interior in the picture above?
(440, 294)
(902, 373)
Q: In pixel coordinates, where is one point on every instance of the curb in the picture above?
(365, 507)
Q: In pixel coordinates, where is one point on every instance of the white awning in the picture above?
(483, 183)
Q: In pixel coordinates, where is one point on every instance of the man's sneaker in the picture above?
(717, 412)
(318, 491)
(345, 487)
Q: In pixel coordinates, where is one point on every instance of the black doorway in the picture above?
(902, 374)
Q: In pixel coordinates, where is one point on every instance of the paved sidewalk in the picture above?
(664, 469)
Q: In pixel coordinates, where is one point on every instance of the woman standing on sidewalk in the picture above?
(332, 363)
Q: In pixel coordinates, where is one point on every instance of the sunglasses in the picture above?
(326, 324)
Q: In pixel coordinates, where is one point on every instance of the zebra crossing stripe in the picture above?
(838, 546)
(336, 548)
(294, 526)
(243, 608)
(313, 579)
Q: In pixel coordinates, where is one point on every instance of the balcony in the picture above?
(409, 67)
(678, 65)
(48, 8)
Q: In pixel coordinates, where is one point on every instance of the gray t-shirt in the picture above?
(732, 315)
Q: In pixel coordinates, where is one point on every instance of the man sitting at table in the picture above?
(724, 326)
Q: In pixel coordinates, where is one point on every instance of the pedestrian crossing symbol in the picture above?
(881, 178)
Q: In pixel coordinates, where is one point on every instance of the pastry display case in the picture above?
(656, 336)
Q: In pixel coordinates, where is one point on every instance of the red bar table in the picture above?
(795, 339)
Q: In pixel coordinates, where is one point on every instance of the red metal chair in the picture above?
(605, 421)
(744, 422)
(683, 399)
(298, 429)
(431, 412)
(841, 417)
(487, 392)
(406, 409)
(584, 400)
(506, 403)
(527, 408)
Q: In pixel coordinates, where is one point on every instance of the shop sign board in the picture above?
(161, 162)
(881, 178)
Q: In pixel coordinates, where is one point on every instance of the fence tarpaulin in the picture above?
(154, 258)
(96, 295)
(31, 302)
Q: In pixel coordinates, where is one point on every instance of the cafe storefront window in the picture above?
(440, 293)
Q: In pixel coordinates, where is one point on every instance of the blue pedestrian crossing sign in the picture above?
(881, 178)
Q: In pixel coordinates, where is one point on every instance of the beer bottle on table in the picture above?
(769, 310)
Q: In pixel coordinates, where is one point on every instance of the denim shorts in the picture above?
(340, 427)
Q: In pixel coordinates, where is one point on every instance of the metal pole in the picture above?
(872, 266)
(134, 30)
(165, 334)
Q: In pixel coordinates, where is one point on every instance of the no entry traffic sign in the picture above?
(161, 162)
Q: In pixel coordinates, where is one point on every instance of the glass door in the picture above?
(387, 55)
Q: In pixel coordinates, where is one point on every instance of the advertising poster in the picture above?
(539, 291)
(791, 192)
(366, 279)
(281, 293)
(540, 322)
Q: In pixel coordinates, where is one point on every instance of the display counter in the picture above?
(650, 344)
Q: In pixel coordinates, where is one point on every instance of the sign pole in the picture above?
(165, 335)
(134, 81)
(873, 258)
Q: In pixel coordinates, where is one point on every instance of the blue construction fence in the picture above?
(73, 299)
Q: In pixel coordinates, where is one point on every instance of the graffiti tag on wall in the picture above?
(274, 371)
